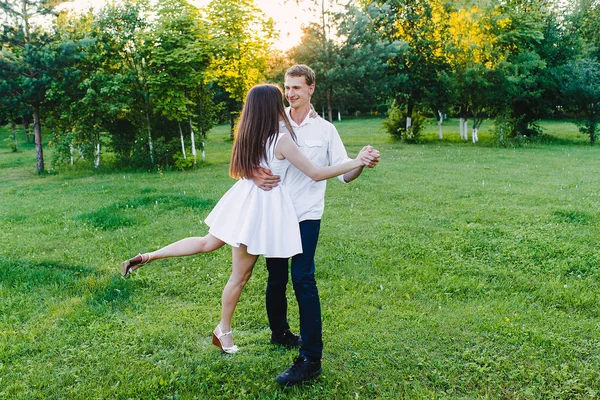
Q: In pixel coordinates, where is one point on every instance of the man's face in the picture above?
(297, 92)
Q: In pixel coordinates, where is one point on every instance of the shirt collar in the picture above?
(307, 120)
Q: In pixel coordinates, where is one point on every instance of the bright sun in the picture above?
(288, 16)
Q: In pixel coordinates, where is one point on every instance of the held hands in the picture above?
(369, 156)
(264, 179)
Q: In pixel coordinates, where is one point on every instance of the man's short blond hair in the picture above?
(302, 70)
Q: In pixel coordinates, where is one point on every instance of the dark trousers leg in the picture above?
(275, 297)
(305, 288)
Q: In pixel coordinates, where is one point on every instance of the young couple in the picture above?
(262, 215)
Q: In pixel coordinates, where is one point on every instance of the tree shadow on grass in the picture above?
(122, 214)
(25, 276)
(112, 296)
(52, 281)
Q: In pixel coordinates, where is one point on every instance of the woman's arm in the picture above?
(287, 148)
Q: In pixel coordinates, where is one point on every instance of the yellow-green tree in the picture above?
(242, 37)
(421, 25)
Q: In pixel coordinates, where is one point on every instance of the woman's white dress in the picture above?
(264, 221)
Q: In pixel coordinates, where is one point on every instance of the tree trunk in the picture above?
(476, 125)
(329, 110)
(522, 126)
(26, 128)
(409, 111)
(14, 135)
(464, 128)
(440, 120)
(97, 154)
(150, 146)
(202, 134)
(37, 130)
(182, 142)
(231, 125)
(193, 139)
(339, 116)
(71, 152)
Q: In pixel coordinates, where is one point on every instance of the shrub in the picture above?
(515, 131)
(395, 124)
(183, 163)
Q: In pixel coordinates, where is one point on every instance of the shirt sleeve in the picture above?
(337, 152)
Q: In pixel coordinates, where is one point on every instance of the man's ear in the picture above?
(311, 89)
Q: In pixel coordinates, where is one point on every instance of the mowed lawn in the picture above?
(452, 270)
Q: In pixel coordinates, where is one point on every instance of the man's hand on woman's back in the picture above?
(264, 179)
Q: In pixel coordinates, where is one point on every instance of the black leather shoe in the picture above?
(300, 371)
(287, 339)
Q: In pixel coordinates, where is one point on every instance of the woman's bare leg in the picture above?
(243, 264)
(184, 247)
(188, 247)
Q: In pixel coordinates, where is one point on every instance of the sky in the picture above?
(288, 16)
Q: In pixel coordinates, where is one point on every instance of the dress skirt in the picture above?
(266, 222)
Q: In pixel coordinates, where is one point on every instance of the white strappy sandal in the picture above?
(216, 340)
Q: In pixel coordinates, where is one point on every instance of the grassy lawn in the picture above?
(452, 270)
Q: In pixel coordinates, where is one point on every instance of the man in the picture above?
(321, 143)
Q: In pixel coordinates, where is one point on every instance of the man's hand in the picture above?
(264, 179)
(369, 156)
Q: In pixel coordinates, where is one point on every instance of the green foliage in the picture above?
(241, 36)
(515, 129)
(351, 73)
(395, 124)
(580, 87)
(10, 142)
(182, 163)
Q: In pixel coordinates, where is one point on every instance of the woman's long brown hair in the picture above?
(257, 127)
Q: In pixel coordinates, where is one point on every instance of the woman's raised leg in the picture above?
(184, 247)
(243, 264)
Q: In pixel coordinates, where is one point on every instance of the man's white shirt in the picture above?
(320, 142)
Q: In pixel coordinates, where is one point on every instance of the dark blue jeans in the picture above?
(305, 288)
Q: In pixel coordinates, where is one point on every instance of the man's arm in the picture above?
(264, 179)
(372, 160)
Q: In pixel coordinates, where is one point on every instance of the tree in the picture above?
(361, 74)
(584, 21)
(31, 57)
(421, 25)
(117, 92)
(520, 37)
(10, 102)
(581, 93)
(242, 37)
(178, 62)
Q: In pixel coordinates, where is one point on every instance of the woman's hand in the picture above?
(369, 156)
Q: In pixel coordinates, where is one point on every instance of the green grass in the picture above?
(452, 270)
